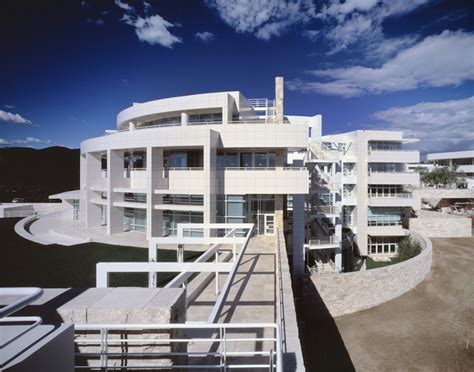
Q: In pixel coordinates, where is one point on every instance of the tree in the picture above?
(407, 248)
(440, 176)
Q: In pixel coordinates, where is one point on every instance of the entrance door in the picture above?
(269, 224)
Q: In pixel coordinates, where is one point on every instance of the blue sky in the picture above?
(68, 67)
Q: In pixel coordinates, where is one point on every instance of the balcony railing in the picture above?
(401, 195)
(384, 222)
(333, 239)
(325, 209)
(262, 168)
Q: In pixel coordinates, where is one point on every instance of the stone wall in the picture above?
(441, 225)
(347, 293)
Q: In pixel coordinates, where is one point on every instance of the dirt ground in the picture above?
(431, 328)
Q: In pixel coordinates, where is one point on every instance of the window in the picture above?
(220, 161)
(260, 159)
(231, 160)
(383, 245)
(134, 220)
(384, 216)
(246, 159)
(183, 199)
(386, 167)
(75, 209)
(171, 219)
(384, 145)
(136, 198)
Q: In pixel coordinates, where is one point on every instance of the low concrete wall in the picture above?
(441, 225)
(20, 229)
(293, 355)
(350, 292)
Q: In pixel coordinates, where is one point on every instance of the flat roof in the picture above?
(450, 155)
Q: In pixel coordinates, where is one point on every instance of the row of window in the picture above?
(386, 167)
(183, 199)
(383, 245)
(384, 191)
(384, 145)
(246, 160)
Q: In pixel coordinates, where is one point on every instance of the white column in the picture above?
(298, 234)
(115, 179)
(184, 118)
(94, 178)
(154, 170)
(210, 178)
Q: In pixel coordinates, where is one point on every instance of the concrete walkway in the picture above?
(251, 298)
(430, 328)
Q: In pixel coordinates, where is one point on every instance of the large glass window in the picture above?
(384, 145)
(384, 216)
(246, 159)
(171, 219)
(134, 219)
(260, 159)
(220, 161)
(386, 167)
(383, 245)
(134, 197)
(231, 160)
(184, 199)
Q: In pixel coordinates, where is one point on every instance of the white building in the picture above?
(220, 157)
(462, 160)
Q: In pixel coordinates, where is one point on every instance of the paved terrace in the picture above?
(430, 328)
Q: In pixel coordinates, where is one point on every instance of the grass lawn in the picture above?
(371, 264)
(25, 263)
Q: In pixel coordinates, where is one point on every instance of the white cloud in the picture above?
(205, 36)
(440, 126)
(152, 29)
(359, 22)
(13, 118)
(263, 18)
(9, 106)
(26, 141)
(123, 5)
(436, 61)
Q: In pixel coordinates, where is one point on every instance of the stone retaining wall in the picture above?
(347, 293)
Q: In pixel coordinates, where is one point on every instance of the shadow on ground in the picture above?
(323, 346)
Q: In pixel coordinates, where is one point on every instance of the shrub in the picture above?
(407, 249)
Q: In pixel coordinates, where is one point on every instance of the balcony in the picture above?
(393, 156)
(279, 180)
(394, 178)
(324, 242)
(405, 199)
(386, 230)
(325, 211)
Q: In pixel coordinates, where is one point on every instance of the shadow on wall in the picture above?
(323, 347)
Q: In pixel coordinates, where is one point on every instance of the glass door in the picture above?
(269, 224)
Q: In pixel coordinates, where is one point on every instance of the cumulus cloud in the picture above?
(123, 5)
(440, 126)
(437, 61)
(26, 141)
(263, 18)
(13, 118)
(359, 22)
(152, 29)
(205, 36)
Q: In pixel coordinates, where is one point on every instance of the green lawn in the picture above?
(371, 264)
(25, 263)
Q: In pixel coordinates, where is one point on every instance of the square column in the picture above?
(298, 235)
(93, 178)
(210, 177)
(115, 179)
(154, 169)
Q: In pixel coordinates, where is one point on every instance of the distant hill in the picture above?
(35, 174)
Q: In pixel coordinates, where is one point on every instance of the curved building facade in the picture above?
(216, 157)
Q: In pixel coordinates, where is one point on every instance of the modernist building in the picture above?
(216, 157)
(221, 157)
(462, 160)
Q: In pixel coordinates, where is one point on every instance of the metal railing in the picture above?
(183, 169)
(28, 295)
(111, 344)
(401, 195)
(280, 305)
(325, 209)
(333, 239)
(261, 102)
(263, 168)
